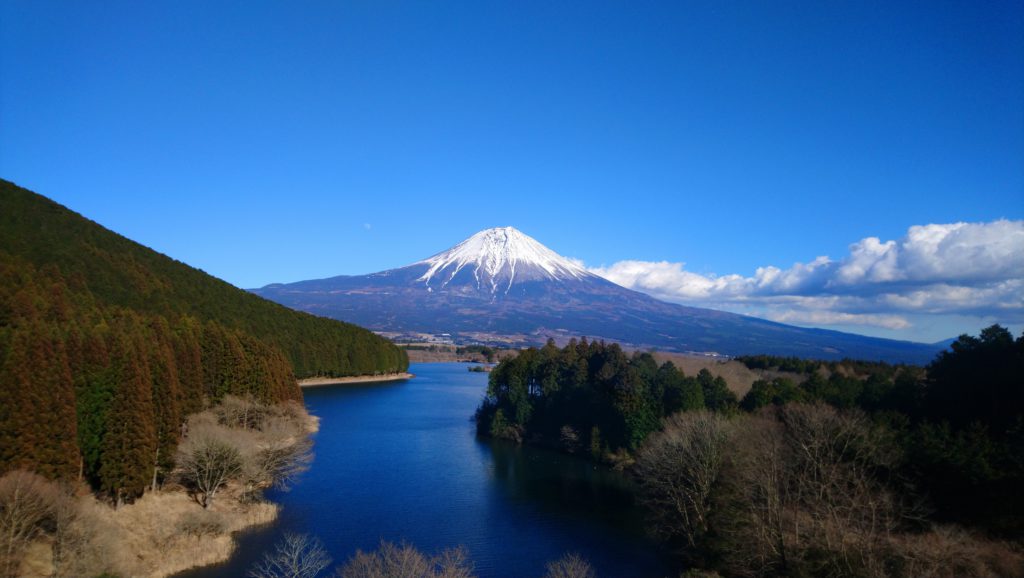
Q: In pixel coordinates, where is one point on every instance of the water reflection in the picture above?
(566, 484)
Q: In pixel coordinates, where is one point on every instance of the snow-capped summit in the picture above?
(496, 258)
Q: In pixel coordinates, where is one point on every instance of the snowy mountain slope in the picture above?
(496, 257)
(502, 283)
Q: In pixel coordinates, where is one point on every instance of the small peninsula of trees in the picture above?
(592, 396)
(846, 468)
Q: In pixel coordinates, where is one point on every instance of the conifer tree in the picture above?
(94, 389)
(129, 441)
(37, 420)
(188, 357)
(166, 397)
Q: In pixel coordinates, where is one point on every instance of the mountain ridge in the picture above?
(495, 291)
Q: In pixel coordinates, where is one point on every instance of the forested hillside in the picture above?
(105, 347)
(121, 272)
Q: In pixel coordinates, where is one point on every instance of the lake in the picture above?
(400, 461)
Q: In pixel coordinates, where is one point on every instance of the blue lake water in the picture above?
(401, 462)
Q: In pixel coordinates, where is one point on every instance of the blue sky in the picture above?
(267, 141)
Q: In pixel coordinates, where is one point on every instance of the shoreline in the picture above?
(354, 379)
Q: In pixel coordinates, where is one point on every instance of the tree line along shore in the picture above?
(845, 468)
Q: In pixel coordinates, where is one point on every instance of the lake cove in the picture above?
(400, 461)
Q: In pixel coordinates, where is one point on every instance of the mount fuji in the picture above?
(500, 285)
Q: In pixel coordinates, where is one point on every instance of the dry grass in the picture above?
(166, 532)
(952, 552)
(355, 380)
(146, 538)
(37, 560)
(738, 376)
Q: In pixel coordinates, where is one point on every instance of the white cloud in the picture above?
(957, 252)
(957, 269)
(670, 280)
(837, 318)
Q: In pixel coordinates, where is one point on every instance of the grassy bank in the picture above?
(159, 535)
(318, 381)
(230, 453)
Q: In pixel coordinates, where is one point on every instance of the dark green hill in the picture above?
(119, 271)
(106, 346)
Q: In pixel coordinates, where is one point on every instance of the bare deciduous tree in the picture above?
(803, 494)
(569, 566)
(296, 556)
(28, 507)
(678, 469)
(241, 412)
(758, 496)
(206, 463)
(277, 454)
(405, 561)
(272, 446)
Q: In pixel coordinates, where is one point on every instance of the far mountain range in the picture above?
(502, 286)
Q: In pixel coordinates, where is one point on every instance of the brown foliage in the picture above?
(802, 494)
(405, 561)
(678, 469)
(950, 552)
(257, 444)
(570, 566)
(798, 490)
(37, 403)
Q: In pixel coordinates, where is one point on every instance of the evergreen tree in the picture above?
(37, 419)
(678, 392)
(717, 395)
(188, 356)
(129, 442)
(993, 364)
(166, 395)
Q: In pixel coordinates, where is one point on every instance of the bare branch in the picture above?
(296, 556)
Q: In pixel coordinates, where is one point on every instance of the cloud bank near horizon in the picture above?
(966, 269)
